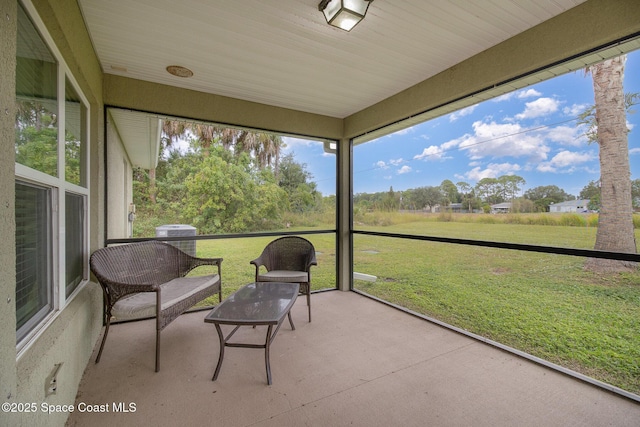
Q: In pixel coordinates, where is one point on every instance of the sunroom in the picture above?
(94, 79)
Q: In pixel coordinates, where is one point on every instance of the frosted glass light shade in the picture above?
(344, 14)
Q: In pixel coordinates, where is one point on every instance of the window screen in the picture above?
(74, 241)
(33, 255)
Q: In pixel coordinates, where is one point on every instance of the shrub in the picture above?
(573, 220)
(544, 219)
(514, 219)
(445, 217)
(290, 219)
(148, 219)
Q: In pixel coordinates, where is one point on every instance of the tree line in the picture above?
(480, 197)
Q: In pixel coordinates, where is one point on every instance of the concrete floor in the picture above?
(359, 363)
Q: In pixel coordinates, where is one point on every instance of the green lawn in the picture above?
(543, 304)
(236, 254)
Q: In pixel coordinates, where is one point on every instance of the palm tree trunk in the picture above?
(152, 185)
(615, 225)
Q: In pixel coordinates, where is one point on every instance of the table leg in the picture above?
(221, 356)
(266, 354)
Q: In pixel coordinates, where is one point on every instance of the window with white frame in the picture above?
(51, 181)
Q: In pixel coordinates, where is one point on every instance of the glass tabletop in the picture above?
(261, 303)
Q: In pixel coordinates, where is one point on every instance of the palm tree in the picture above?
(263, 147)
(209, 134)
(246, 142)
(269, 151)
(615, 225)
(467, 193)
(172, 130)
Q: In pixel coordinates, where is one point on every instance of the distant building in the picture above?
(576, 206)
(501, 208)
(451, 207)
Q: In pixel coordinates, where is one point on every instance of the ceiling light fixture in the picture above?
(179, 71)
(344, 14)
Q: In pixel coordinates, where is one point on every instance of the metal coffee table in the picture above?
(261, 303)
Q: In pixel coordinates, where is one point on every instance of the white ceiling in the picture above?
(283, 53)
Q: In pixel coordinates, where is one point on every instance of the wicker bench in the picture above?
(146, 279)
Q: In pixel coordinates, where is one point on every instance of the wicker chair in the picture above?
(288, 259)
(146, 279)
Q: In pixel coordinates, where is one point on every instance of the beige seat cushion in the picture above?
(144, 304)
(284, 276)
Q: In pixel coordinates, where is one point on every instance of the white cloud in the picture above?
(527, 93)
(405, 131)
(435, 152)
(430, 153)
(634, 151)
(382, 165)
(396, 162)
(476, 174)
(565, 161)
(404, 169)
(461, 113)
(505, 97)
(293, 142)
(520, 94)
(567, 158)
(567, 135)
(575, 110)
(493, 170)
(546, 167)
(502, 140)
(538, 108)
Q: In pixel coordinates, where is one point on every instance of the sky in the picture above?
(532, 133)
(320, 164)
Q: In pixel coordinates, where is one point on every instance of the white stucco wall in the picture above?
(119, 188)
(8, 384)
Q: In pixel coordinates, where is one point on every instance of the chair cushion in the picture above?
(144, 304)
(284, 276)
